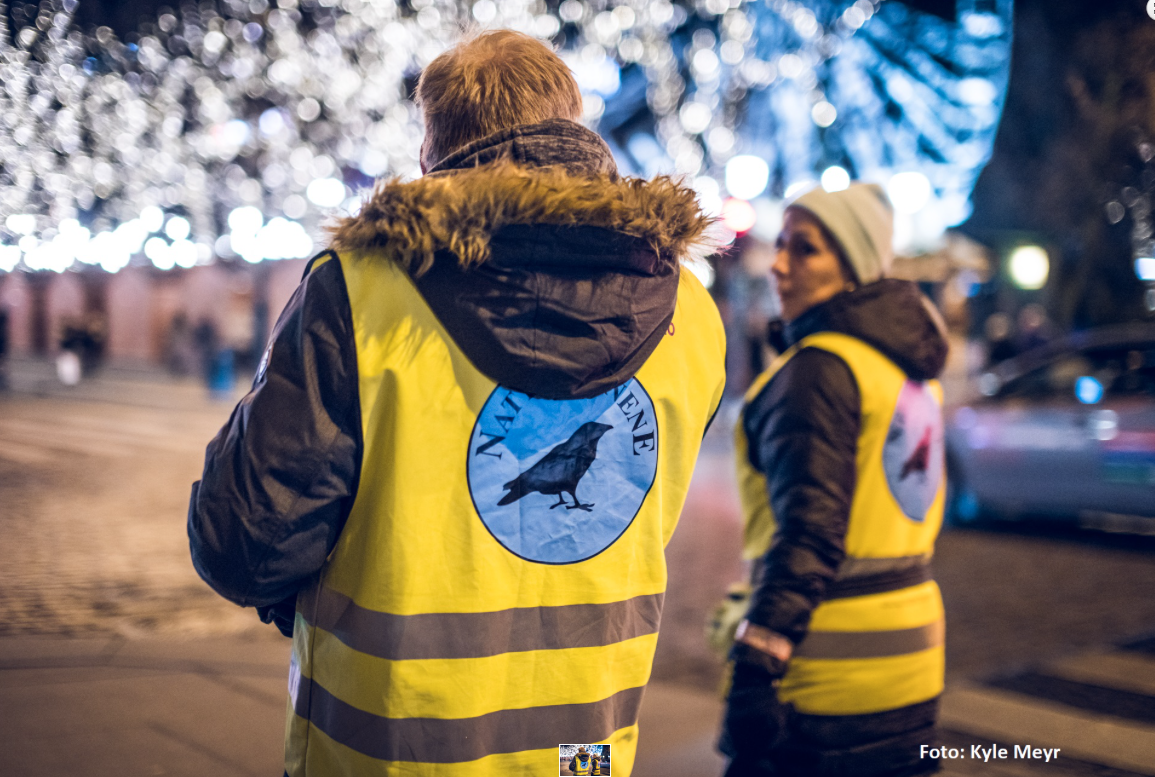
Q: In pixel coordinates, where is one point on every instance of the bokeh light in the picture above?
(1029, 267)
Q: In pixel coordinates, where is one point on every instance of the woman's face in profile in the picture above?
(807, 270)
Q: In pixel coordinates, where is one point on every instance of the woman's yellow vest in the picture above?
(584, 765)
(884, 650)
(497, 588)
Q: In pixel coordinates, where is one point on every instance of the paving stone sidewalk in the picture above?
(116, 659)
(110, 707)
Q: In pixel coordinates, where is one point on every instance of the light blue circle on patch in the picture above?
(912, 456)
(558, 481)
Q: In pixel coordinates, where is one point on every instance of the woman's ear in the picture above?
(849, 276)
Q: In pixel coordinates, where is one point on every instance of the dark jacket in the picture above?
(803, 430)
(554, 276)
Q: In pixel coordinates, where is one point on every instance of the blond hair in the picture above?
(489, 82)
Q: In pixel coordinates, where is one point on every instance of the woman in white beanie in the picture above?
(838, 664)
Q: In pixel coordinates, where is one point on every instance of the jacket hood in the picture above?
(890, 315)
(556, 276)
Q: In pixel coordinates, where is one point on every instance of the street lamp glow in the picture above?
(246, 220)
(747, 176)
(177, 228)
(9, 257)
(695, 117)
(738, 215)
(183, 253)
(835, 179)
(823, 113)
(284, 239)
(158, 252)
(1029, 267)
(909, 191)
(21, 223)
(977, 91)
(326, 192)
(484, 11)
(130, 237)
(152, 218)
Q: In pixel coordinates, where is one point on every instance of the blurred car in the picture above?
(1065, 432)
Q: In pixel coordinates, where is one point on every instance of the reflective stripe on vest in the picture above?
(479, 634)
(462, 625)
(871, 644)
(876, 643)
(457, 740)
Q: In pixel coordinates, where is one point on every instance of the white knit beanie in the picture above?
(861, 219)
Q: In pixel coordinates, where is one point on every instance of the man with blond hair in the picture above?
(469, 442)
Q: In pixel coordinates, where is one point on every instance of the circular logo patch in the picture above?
(913, 454)
(558, 481)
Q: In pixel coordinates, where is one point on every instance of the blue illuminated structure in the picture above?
(286, 111)
(874, 88)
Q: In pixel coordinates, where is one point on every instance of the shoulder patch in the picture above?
(559, 481)
(912, 456)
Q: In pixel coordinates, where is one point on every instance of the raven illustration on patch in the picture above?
(920, 459)
(560, 470)
(528, 456)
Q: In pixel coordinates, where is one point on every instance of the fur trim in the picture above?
(411, 221)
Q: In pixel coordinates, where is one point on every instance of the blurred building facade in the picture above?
(145, 315)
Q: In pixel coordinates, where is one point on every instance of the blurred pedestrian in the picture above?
(1000, 344)
(838, 664)
(446, 482)
(180, 349)
(75, 346)
(215, 362)
(1033, 328)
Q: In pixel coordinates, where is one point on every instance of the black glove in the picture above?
(748, 767)
(282, 614)
(755, 720)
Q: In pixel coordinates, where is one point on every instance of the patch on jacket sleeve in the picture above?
(913, 454)
(559, 481)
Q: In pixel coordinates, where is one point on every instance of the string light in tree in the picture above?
(291, 108)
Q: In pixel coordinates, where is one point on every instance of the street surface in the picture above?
(1049, 636)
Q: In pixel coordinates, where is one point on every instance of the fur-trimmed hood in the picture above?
(556, 276)
(459, 210)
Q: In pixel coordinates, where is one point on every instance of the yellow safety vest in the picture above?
(883, 650)
(462, 625)
(584, 766)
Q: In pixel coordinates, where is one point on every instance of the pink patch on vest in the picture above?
(912, 457)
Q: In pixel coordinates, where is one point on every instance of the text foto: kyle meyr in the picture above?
(992, 752)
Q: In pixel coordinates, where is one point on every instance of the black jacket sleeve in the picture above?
(803, 432)
(280, 477)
